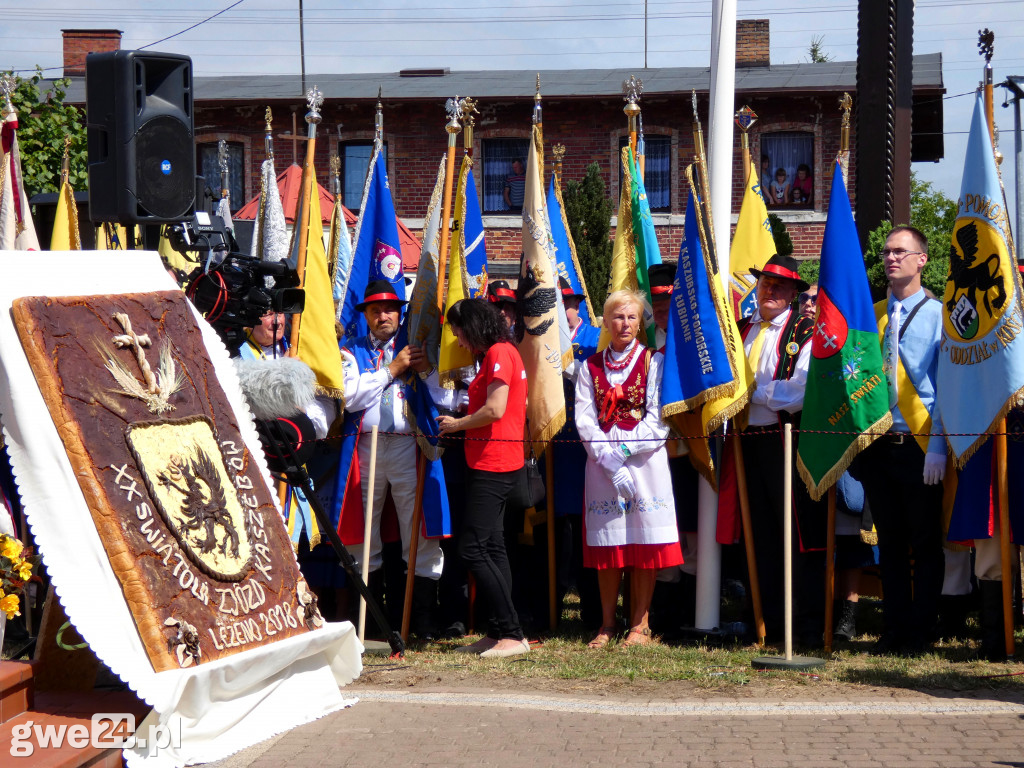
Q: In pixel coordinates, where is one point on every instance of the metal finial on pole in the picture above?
(314, 100)
(65, 163)
(378, 117)
(223, 164)
(8, 84)
(538, 110)
(745, 118)
(558, 152)
(335, 166)
(467, 107)
(268, 140)
(632, 89)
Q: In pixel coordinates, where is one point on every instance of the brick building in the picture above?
(797, 106)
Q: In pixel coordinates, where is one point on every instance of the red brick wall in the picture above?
(752, 43)
(80, 42)
(589, 129)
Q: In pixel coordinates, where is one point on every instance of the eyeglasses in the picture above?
(813, 297)
(899, 253)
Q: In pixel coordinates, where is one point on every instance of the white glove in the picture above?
(934, 468)
(624, 484)
(611, 460)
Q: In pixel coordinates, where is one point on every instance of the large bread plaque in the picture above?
(181, 508)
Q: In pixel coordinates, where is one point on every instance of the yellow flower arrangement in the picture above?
(10, 547)
(11, 605)
(15, 571)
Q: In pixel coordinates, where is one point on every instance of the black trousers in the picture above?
(763, 461)
(482, 547)
(908, 516)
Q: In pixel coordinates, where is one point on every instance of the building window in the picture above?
(355, 163)
(657, 170)
(504, 180)
(209, 169)
(787, 160)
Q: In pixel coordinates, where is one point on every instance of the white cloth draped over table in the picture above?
(221, 706)
(651, 518)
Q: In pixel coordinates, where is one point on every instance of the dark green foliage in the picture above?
(589, 213)
(934, 214)
(809, 270)
(783, 242)
(43, 122)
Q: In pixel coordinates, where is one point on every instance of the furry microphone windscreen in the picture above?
(276, 388)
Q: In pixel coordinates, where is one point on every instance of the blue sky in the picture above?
(262, 37)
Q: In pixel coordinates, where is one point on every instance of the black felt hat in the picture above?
(379, 290)
(784, 267)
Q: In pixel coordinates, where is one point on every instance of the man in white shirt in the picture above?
(371, 369)
(776, 339)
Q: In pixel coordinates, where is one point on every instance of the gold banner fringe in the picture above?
(1013, 401)
(861, 442)
(722, 390)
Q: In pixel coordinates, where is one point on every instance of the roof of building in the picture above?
(561, 83)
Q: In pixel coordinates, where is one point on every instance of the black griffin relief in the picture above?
(535, 302)
(969, 277)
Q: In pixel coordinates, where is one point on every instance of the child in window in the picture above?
(779, 189)
(803, 186)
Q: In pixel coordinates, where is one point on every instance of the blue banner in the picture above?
(981, 363)
(564, 254)
(476, 248)
(697, 362)
(377, 254)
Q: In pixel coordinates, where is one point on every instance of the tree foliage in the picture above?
(589, 213)
(932, 212)
(44, 120)
(816, 53)
(783, 242)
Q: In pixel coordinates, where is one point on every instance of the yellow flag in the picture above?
(452, 356)
(317, 344)
(65, 235)
(752, 245)
(114, 237)
(540, 348)
(623, 268)
(183, 263)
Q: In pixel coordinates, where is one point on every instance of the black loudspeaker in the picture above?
(142, 163)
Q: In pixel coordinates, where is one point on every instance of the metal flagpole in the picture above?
(454, 109)
(986, 38)
(314, 100)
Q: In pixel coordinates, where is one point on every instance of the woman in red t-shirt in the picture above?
(494, 458)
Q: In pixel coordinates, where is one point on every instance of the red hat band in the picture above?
(779, 271)
(382, 297)
(499, 294)
(661, 290)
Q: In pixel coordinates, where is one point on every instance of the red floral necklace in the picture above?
(622, 364)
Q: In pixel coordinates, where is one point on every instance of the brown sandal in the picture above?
(604, 636)
(638, 636)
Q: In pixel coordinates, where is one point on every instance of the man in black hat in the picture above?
(500, 292)
(374, 396)
(661, 276)
(776, 339)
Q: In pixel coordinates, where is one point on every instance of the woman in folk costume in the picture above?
(630, 517)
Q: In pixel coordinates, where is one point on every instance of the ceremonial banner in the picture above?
(846, 403)
(422, 316)
(623, 268)
(452, 357)
(17, 232)
(981, 363)
(702, 339)
(752, 245)
(542, 347)
(474, 246)
(270, 230)
(339, 249)
(65, 236)
(317, 344)
(565, 251)
(377, 254)
(646, 244)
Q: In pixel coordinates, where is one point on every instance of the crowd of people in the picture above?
(625, 490)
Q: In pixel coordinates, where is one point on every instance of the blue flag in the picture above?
(377, 254)
(698, 363)
(565, 251)
(981, 362)
(476, 248)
